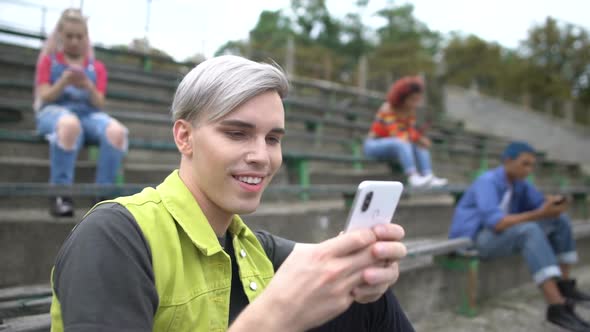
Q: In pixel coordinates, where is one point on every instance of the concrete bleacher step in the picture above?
(33, 323)
(25, 308)
(116, 82)
(115, 100)
(29, 169)
(296, 140)
(40, 150)
(455, 165)
(23, 61)
(33, 157)
(351, 176)
(19, 307)
(142, 170)
(32, 291)
(33, 236)
(463, 156)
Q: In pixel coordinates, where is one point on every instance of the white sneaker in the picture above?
(436, 182)
(417, 181)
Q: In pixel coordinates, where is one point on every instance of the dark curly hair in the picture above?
(404, 88)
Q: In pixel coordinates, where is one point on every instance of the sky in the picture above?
(183, 28)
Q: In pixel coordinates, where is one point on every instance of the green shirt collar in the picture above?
(185, 210)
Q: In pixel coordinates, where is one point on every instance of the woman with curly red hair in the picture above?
(393, 133)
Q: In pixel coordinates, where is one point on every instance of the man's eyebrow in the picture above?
(247, 125)
(237, 123)
(280, 131)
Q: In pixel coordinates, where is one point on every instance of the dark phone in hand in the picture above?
(561, 200)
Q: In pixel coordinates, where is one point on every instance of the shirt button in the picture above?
(243, 253)
(253, 286)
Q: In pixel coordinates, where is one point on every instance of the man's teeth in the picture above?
(249, 179)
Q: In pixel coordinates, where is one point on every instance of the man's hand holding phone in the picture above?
(373, 208)
(553, 206)
(319, 281)
(388, 250)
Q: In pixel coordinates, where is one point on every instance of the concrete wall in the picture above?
(493, 116)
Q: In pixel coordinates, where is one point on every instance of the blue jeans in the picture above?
(93, 130)
(410, 156)
(543, 244)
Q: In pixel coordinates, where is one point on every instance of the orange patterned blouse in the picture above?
(390, 124)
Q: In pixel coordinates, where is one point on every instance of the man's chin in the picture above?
(244, 210)
(247, 207)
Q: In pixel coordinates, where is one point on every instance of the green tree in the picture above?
(559, 57)
(470, 60)
(494, 69)
(315, 25)
(269, 36)
(317, 40)
(233, 47)
(405, 45)
(356, 41)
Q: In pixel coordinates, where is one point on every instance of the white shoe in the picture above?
(418, 181)
(436, 182)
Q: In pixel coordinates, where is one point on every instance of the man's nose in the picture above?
(258, 153)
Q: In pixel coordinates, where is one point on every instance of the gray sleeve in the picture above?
(103, 275)
(277, 248)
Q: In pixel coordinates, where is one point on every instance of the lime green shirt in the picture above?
(191, 272)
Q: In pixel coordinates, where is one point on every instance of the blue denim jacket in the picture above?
(480, 205)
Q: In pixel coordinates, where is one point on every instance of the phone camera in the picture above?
(367, 201)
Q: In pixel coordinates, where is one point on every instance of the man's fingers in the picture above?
(391, 251)
(374, 276)
(389, 232)
(348, 243)
(368, 294)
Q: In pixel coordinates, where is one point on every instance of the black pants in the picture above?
(384, 314)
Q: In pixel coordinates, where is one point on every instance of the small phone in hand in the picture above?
(77, 70)
(374, 203)
(561, 200)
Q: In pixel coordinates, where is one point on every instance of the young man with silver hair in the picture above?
(179, 258)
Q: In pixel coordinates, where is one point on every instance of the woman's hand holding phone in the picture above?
(76, 76)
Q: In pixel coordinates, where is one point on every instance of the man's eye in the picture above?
(273, 140)
(235, 134)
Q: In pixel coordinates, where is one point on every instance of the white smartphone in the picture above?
(374, 203)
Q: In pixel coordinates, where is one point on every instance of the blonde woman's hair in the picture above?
(70, 15)
(51, 45)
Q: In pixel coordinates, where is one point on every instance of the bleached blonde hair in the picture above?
(219, 85)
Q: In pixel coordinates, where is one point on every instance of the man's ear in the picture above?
(183, 132)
